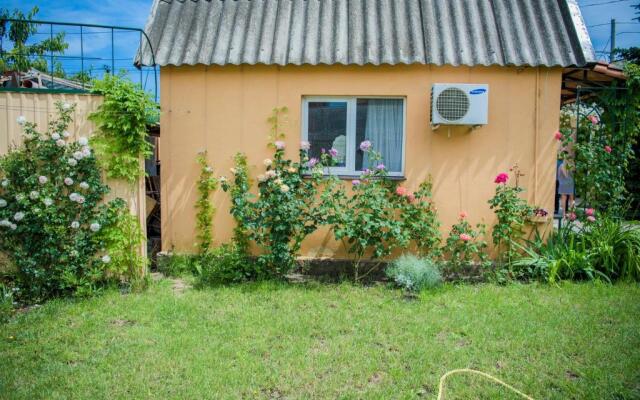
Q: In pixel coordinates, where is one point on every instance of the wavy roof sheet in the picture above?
(283, 32)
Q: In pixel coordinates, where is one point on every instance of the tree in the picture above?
(23, 56)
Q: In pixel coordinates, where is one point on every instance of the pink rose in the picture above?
(594, 119)
(355, 182)
(365, 146)
(279, 144)
(558, 135)
(464, 237)
(608, 149)
(401, 191)
(589, 212)
(411, 197)
(591, 218)
(501, 178)
(304, 145)
(463, 214)
(572, 216)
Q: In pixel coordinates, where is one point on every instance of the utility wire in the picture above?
(609, 23)
(603, 3)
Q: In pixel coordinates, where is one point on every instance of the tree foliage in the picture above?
(23, 55)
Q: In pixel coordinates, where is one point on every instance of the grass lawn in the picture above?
(577, 341)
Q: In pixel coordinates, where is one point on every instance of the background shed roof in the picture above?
(282, 32)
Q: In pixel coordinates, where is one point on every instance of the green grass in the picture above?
(577, 341)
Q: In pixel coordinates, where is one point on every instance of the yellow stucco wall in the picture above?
(224, 109)
(40, 108)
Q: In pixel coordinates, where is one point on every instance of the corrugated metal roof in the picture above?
(282, 32)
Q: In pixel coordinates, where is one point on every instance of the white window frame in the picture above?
(352, 105)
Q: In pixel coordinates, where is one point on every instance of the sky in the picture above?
(133, 13)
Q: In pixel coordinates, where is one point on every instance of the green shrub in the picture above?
(599, 248)
(176, 265)
(414, 274)
(224, 265)
(51, 213)
(121, 238)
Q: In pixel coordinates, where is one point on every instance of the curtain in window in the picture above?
(384, 130)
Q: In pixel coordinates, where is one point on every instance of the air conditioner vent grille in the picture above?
(452, 104)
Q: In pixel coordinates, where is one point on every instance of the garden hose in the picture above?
(484, 374)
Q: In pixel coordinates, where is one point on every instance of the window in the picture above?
(343, 123)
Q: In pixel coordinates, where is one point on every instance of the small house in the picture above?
(459, 90)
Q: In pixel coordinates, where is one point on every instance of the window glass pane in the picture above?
(380, 121)
(328, 128)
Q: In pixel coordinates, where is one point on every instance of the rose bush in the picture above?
(288, 206)
(52, 219)
(511, 211)
(465, 247)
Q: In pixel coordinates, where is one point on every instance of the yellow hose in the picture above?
(483, 374)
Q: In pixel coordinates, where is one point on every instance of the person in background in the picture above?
(566, 186)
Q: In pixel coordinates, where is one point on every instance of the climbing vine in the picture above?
(122, 121)
(207, 183)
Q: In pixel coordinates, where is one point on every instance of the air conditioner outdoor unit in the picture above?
(459, 104)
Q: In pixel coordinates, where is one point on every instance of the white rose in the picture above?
(284, 188)
(5, 222)
(80, 199)
(66, 106)
(304, 145)
(55, 136)
(86, 151)
(3, 203)
(270, 174)
(18, 216)
(75, 225)
(43, 179)
(72, 162)
(73, 196)
(78, 155)
(106, 259)
(208, 169)
(60, 143)
(21, 120)
(84, 185)
(19, 197)
(83, 141)
(47, 202)
(223, 179)
(13, 227)
(95, 227)
(68, 181)
(66, 134)
(278, 181)
(267, 162)
(5, 183)
(261, 178)
(34, 195)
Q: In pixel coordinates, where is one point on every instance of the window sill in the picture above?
(351, 177)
